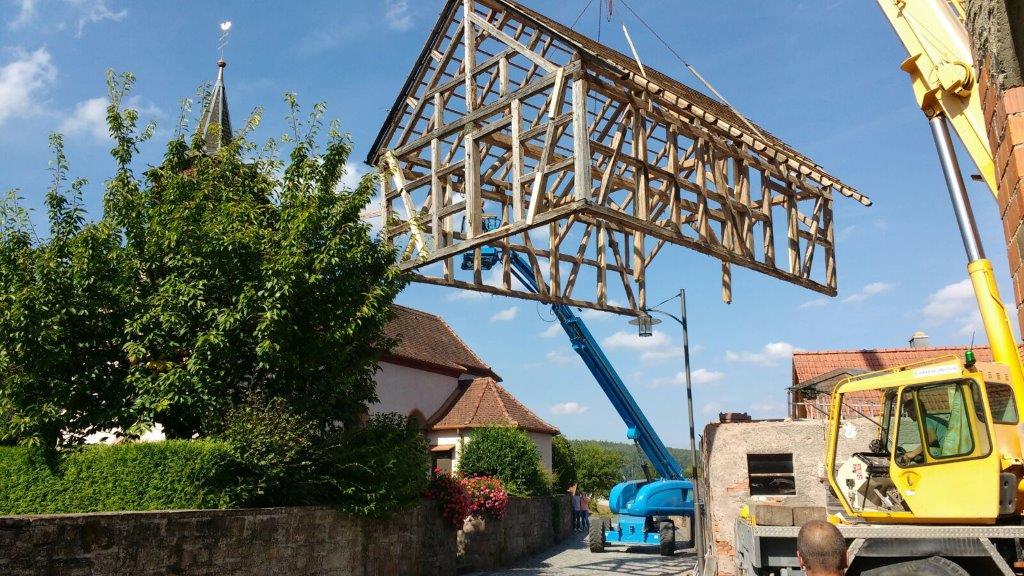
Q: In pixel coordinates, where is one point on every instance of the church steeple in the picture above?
(216, 114)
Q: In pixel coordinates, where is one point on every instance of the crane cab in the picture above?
(930, 443)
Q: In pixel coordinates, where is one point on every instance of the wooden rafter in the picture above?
(588, 167)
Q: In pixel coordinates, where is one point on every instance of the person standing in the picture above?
(585, 511)
(577, 525)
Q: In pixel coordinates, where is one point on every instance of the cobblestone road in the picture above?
(573, 558)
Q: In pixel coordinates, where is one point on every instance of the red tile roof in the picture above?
(810, 365)
(484, 402)
(427, 341)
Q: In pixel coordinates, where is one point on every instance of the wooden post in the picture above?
(581, 140)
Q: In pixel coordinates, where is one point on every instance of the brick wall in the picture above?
(530, 525)
(997, 38)
(273, 541)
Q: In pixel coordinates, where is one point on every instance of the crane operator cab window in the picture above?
(939, 422)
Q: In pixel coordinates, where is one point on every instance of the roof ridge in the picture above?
(501, 402)
(469, 348)
(512, 398)
(479, 399)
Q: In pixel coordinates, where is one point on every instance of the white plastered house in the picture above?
(434, 377)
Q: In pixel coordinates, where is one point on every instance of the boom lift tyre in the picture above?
(667, 539)
(596, 537)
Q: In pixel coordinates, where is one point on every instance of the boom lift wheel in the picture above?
(667, 537)
(596, 537)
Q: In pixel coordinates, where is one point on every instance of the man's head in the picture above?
(821, 549)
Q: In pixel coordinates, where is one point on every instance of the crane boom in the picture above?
(638, 427)
(941, 69)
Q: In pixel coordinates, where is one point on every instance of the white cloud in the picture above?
(949, 302)
(699, 377)
(93, 11)
(955, 303)
(552, 330)
(89, 117)
(466, 295)
(816, 303)
(505, 315)
(633, 341)
(397, 15)
(26, 12)
(569, 408)
(768, 356)
(562, 358)
(22, 82)
(353, 174)
(868, 291)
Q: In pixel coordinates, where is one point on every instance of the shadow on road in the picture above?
(573, 558)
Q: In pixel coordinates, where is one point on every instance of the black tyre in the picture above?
(934, 566)
(667, 536)
(596, 537)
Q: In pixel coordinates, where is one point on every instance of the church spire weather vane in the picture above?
(225, 29)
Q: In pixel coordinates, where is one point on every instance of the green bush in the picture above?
(277, 450)
(508, 454)
(146, 476)
(563, 464)
(369, 470)
(376, 468)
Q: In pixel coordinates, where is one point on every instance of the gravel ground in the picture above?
(573, 558)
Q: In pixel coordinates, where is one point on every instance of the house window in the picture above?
(442, 458)
(771, 474)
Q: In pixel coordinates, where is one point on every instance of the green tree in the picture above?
(63, 306)
(563, 463)
(506, 453)
(206, 280)
(597, 468)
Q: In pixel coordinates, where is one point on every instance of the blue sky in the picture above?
(823, 76)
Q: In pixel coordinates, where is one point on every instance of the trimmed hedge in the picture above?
(171, 475)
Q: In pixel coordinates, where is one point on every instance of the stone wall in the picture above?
(530, 525)
(272, 541)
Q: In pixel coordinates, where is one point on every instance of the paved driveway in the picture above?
(573, 558)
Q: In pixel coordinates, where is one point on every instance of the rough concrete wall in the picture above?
(274, 541)
(530, 525)
(996, 28)
(727, 446)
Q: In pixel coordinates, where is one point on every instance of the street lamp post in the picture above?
(645, 324)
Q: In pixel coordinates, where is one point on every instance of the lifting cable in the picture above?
(689, 67)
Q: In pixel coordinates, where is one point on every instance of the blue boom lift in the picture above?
(643, 506)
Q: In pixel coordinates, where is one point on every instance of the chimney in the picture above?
(919, 340)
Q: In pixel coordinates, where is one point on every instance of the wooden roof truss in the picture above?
(590, 165)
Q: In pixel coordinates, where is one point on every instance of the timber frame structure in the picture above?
(515, 132)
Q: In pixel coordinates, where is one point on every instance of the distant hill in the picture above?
(631, 455)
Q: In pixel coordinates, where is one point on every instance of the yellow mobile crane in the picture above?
(947, 422)
(943, 478)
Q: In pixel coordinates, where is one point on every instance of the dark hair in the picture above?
(821, 546)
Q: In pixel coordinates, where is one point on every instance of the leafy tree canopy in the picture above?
(205, 280)
(506, 453)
